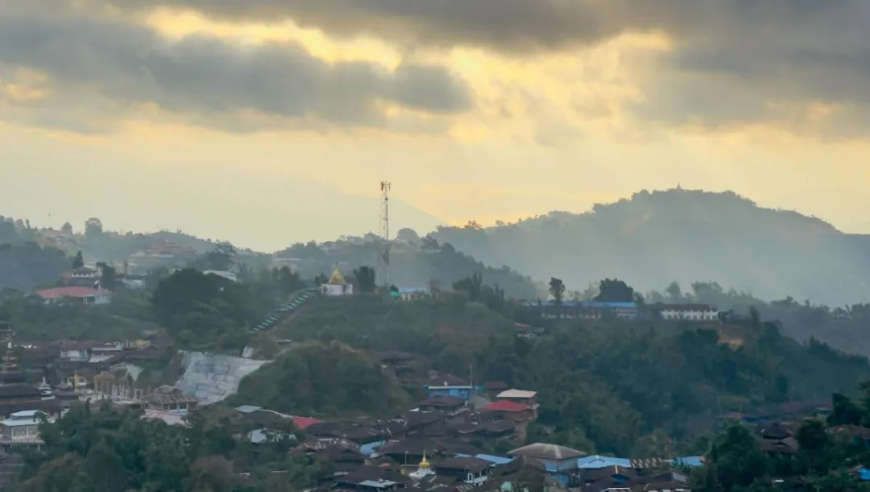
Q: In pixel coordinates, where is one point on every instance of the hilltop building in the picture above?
(689, 312)
(83, 295)
(336, 286)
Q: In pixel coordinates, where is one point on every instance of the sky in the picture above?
(267, 122)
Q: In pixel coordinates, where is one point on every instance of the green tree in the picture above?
(737, 458)
(93, 228)
(78, 261)
(108, 278)
(675, 294)
(615, 291)
(844, 411)
(557, 290)
(365, 279)
(814, 446)
(221, 257)
(472, 286)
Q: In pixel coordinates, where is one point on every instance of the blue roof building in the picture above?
(596, 462)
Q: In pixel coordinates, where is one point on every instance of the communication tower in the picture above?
(384, 258)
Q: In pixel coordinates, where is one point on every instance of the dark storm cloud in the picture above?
(731, 57)
(127, 63)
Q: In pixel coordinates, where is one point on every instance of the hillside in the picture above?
(609, 386)
(322, 379)
(681, 235)
(415, 262)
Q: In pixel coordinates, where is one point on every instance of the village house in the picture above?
(81, 277)
(687, 312)
(524, 397)
(21, 428)
(169, 399)
(84, 295)
(586, 309)
(445, 404)
(373, 479)
(512, 411)
(559, 462)
(470, 470)
(413, 293)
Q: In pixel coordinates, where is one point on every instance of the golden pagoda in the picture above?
(337, 278)
(336, 286)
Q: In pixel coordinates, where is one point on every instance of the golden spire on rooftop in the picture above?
(424, 463)
(336, 278)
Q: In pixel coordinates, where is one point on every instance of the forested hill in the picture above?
(681, 235)
(604, 386)
(414, 262)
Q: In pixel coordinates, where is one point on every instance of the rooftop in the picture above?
(468, 463)
(515, 393)
(597, 461)
(547, 452)
(75, 292)
(507, 406)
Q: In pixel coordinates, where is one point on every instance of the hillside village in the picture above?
(433, 445)
(180, 331)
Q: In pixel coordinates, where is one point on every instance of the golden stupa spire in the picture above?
(336, 278)
(424, 463)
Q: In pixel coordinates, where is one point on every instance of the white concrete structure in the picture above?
(211, 377)
(336, 286)
(689, 312)
(22, 427)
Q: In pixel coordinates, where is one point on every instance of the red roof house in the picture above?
(303, 423)
(85, 295)
(511, 410)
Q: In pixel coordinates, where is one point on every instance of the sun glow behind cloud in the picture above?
(544, 130)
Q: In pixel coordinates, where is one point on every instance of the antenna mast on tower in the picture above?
(385, 230)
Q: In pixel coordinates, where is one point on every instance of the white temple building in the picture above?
(336, 286)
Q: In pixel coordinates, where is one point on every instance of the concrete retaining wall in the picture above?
(211, 377)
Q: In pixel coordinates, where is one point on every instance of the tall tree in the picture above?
(365, 279)
(93, 228)
(221, 257)
(78, 261)
(675, 294)
(108, 277)
(557, 289)
(472, 286)
(615, 291)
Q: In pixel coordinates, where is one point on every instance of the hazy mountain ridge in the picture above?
(684, 235)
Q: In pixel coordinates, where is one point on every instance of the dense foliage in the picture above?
(104, 450)
(826, 457)
(126, 319)
(607, 386)
(315, 378)
(24, 263)
(207, 312)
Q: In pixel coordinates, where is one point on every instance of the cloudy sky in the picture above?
(270, 121)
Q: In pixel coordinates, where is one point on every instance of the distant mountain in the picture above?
(681, 235)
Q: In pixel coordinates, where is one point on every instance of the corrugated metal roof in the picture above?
(515, 393)
(595, 462)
